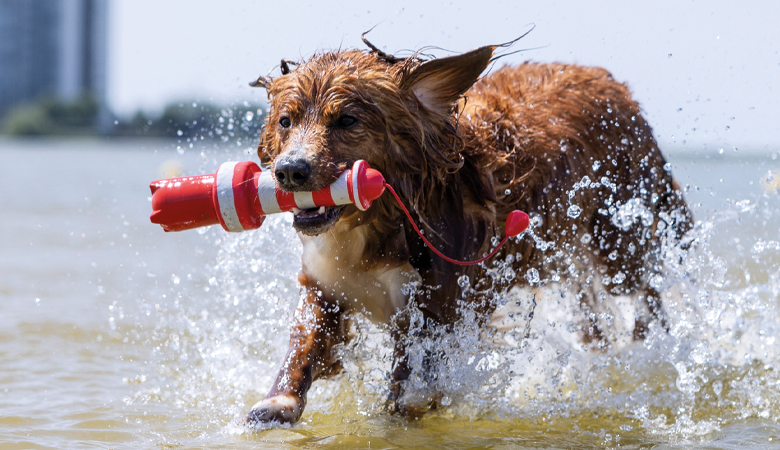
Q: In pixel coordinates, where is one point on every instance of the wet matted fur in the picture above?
(462, 152)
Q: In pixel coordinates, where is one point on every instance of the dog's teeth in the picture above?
(322, 210)
(296, 211)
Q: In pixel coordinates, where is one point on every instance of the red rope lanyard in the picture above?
(454, 261)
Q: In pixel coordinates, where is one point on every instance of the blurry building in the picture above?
(52, 48)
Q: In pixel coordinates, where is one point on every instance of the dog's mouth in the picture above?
(314, 221)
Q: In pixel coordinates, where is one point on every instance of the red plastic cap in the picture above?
(516, 222)
(374, 185)
(368, 183)
(183, 203)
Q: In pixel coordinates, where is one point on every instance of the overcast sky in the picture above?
(705, 72)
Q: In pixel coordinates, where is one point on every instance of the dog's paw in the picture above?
(399, 404)
(279, 408)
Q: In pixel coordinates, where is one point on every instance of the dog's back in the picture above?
(569, 145)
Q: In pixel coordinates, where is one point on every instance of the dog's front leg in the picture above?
(314, 332)
(397, 402)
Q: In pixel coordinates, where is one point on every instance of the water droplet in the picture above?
(180, 149)
(507, 191)
(249, 116)
(619, 278)
(194, 105)
(717, 387)
(613, 256)
(463, 281)
(536, 221)
(586, 238)
(574, 211)
(656, 281)
(532, 275)
(668, 167)
(596, 165)
(179, 133)
(720, 151)
(116, 122)
(669, 55)
(509, 274)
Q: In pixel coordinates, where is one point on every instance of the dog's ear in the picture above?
(438, 83)
(262, 82)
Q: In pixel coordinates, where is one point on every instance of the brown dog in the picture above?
(462, 151)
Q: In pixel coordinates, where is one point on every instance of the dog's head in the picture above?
(342, 106)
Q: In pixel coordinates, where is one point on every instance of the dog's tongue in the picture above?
(309, 213)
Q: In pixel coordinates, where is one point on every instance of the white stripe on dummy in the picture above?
(266, 192)
(304, 200)
(227, 205)
(339, 190)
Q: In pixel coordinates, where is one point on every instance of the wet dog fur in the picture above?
(462, 150)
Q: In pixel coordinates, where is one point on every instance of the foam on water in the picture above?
(218, 343)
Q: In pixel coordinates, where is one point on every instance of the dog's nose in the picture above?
(291, 173)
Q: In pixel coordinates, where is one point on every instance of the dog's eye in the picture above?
(346, 121)
(285, 122)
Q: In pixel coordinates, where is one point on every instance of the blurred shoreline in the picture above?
(95, 143)
(83, 117)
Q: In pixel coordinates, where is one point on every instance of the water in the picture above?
(116, 335)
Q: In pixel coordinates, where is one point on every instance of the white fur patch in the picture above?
(333, 260)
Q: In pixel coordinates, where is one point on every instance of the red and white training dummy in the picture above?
(240, 195)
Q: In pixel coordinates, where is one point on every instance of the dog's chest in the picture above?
(333, 262)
